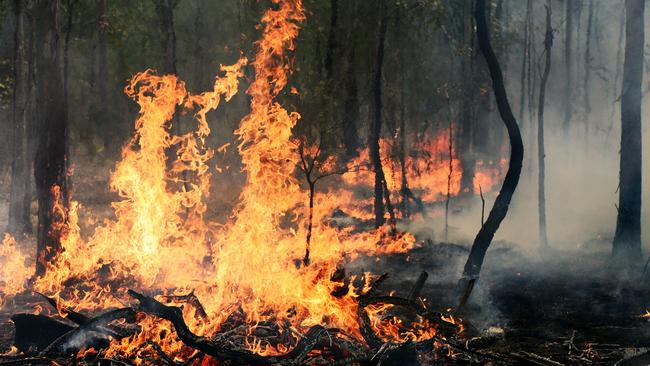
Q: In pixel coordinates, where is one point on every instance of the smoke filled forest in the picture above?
(324, 182)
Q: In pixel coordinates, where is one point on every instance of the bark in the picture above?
(627, 240)
(20, 194)
(50, 162)
(548, 44)
(500, 209)
(375, 129)
(568, 37)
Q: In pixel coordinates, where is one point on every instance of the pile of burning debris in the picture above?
(40, 339)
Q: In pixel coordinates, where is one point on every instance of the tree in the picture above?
(627, 240)
(498, 212)
(548, 44)
(381, 191)
(20, 195)
(351, 93)
(100, 75)
(568, 48)
(50, 163)
(467, 159)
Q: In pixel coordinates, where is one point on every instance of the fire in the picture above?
(161, 242)
(429, 170)
(13, 269)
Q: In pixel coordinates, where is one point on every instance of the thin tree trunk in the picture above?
(19, 215)
(587, 74)
(617, 72)
(331, 38)
(627, 240)
(375, 155)
(524, 61)
(100, 71)
(548, 44)
(351, 98)
(50, 165)
(568, 36)
(500, 209)
(467, 158)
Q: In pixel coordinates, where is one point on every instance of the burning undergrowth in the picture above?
(239, 291)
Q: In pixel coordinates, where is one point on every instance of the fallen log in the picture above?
(93, 333)
(174, 315)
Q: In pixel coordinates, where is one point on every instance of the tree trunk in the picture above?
(50, 164)
(548, 44)
(466, 150)
(500, 209)
(375, 155)
(568, 36)
(331, 38)
(587, 74)
(524, 61)
(627, 240)
(19, 215)
(617, 72)
(351, 98)
(100, 70)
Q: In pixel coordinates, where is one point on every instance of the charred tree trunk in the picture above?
(502, 201)
(351, 98)
(568, 37)
(627, 240)
(467, 159)
(20, 194)
(548, 44)
(375, 129)
(50, 164)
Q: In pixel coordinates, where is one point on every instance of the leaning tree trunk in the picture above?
(50, 163)
(502, 201)
(548, 44)
(627, 240)
(19, 216)
(375, 155)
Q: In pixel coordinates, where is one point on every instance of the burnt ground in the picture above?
(567, 308)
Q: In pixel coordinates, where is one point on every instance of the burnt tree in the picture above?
(50, 162)
(20, 194)
(381, 193)
(627, 240)
(541, 155)
(350, 89)
(500, 209)
(467, 158)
